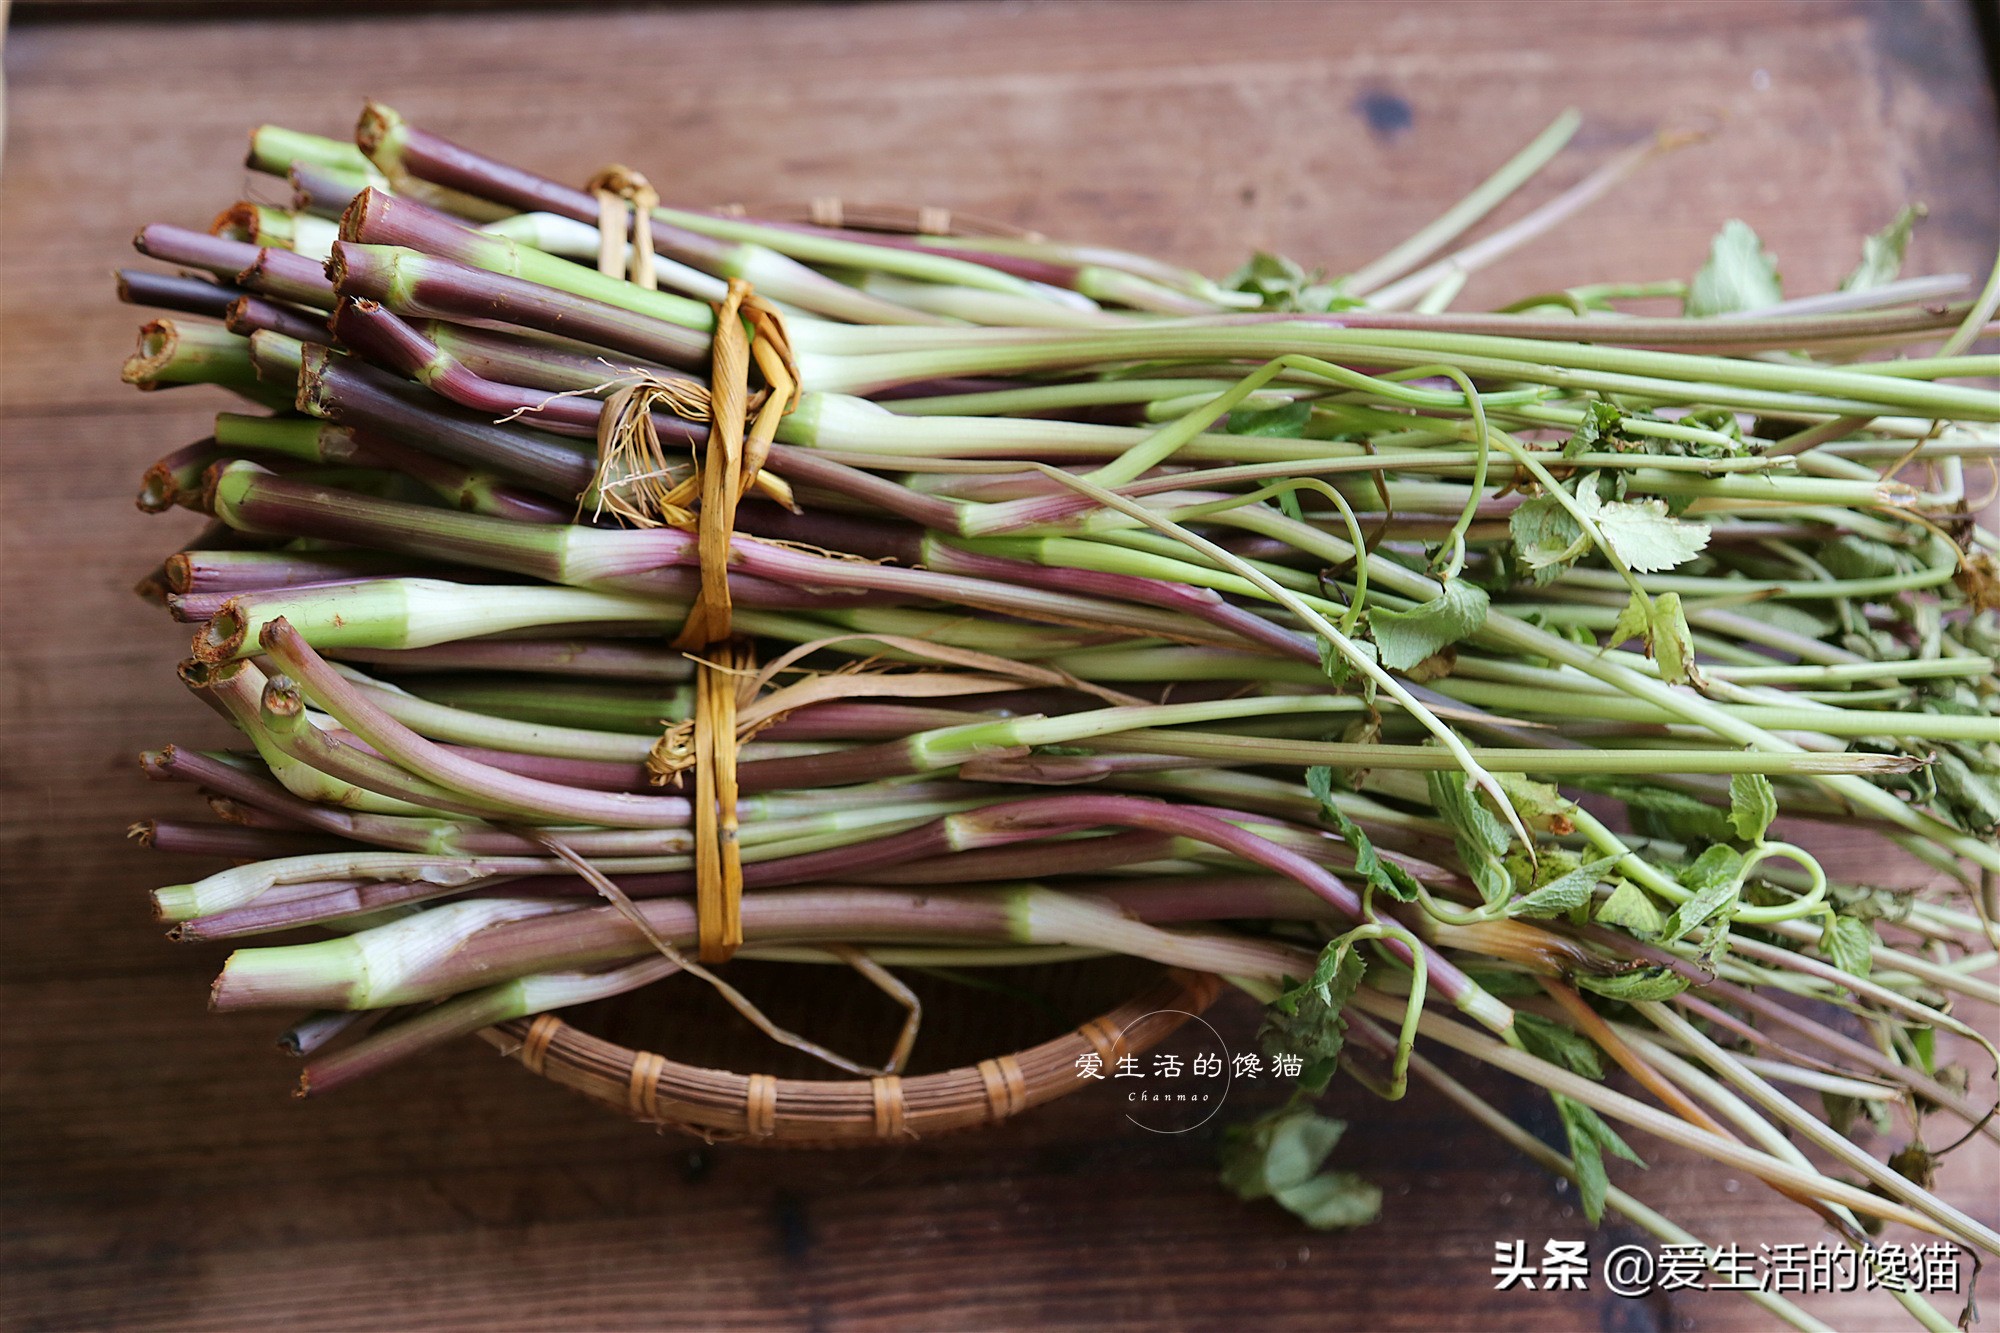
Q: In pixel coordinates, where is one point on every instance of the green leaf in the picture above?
(1641, 532)
(1641, 983)
(1558, 1045)
(1850, 557)
(1664, 627)
(1631, 907)
(1280, 1156)
(1408, 637)
(1925, 1041)
(1458, 804)
(1287, 422)
(1384, 875)
(1340, 669)
(1480, 835)
(1882, 253)
(1563, 893)
(1333, 1201)
(1589, 1139)
(1600, 419)
(1716, 878)
(1739, 275)
(1634, 622)
(1847, 943)
(1752, 805)
(1306, 1020)
(1502, 982)
(1671, 641)
(1547, 539)
(1283, 285)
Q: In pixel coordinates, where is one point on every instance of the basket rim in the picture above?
(720, 1104)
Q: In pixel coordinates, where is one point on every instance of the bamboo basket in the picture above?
(719, 1104)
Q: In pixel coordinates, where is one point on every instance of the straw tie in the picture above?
(636, 484)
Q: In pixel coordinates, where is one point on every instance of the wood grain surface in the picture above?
(153, 1172)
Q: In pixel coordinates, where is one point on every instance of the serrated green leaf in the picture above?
(1306, 1020)
(1715, 879)
(1286, 422)
(1458, 804)
(1406, 638)
(1739, 275)
(1558, 1045)
(1589, 1139)
(1752, 805)
(1480, 835)
(1848, 942)
(1563, 893)
(1882, 253)
(1663, 812)
(1341, 670)
(1632, 908)
(1382, 874)
(1641, 983)
(1647, 538)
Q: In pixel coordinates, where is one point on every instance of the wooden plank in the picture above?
(153, 1174)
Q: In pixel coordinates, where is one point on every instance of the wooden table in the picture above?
(152, 1171)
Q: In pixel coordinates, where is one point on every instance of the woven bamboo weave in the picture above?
(718, 1104)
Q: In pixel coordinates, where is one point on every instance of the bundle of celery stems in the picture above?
(1434, 677)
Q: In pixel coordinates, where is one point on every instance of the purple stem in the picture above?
(230, 840)
(1196, 822)
(247, 314)
(320, 192)
(175, 291)
(417, 282)
(194, 249)
(374, 334)
(436, 763)
(342, 389)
